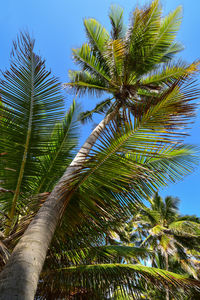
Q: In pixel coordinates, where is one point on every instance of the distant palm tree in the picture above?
(172, 237)
(152, 101)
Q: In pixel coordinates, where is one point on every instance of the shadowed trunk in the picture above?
(20, 276)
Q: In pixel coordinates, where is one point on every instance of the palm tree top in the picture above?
(167, 207)
(133, 65)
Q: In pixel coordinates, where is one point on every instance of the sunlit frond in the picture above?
(87, 60)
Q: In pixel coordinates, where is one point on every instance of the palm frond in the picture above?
(166, 35)
(60, 150)
(101, 107)
(141, 35)
(97, 36)
(83, 82)
(169, 73)
(175, 48)
(31, 102)
(144, 166)
(175, 105)
(116, 19)
(115, 54)
(104, 278)
(114, 253)
(85, 57)
(185, 227)
(151, 38)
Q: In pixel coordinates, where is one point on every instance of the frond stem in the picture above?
(29, 130)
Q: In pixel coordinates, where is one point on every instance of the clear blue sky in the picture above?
(57, 26)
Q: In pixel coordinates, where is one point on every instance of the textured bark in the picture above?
(18, 280)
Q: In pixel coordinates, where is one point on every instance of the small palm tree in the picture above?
(168, 231)
(171, 236)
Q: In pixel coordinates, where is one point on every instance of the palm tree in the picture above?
(171, 236)
(160, 102)
(134, 65)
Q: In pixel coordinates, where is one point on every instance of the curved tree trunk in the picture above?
(20, 276)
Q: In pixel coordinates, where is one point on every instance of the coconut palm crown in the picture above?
(133, 65)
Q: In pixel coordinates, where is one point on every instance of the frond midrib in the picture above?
(27, 143)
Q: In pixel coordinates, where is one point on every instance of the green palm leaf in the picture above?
(60, 150)
(141, 35)
(85, 57)
(32, 102)
(168, 74)
(101, 107)
(116, 19)
(189, 227)
(101, 278)
(166, 35)
(144, 165)
(82, 82)
(97, 36)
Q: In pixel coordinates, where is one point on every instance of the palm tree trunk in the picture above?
(167, 268)
(20, 276)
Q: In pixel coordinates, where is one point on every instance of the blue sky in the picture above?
(57, 26)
